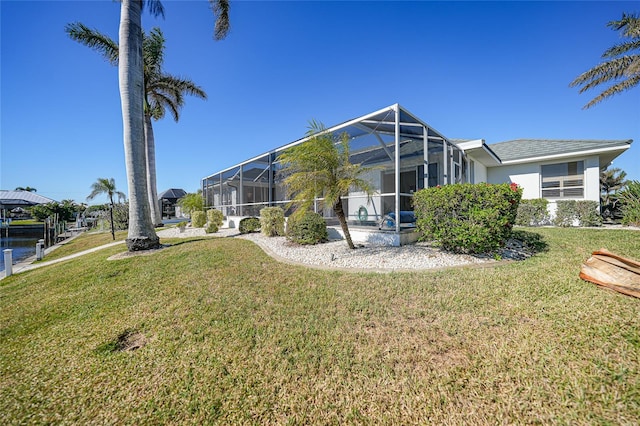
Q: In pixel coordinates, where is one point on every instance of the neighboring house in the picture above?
(406, 154)
(20, 200)
(168, 200)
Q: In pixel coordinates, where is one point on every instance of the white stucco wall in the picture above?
(525, 175)
(480, 172)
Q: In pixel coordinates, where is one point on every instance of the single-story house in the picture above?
(168, 200)
(408, 154)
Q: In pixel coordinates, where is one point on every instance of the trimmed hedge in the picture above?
(249, 225)
(533, 212)
(582, 212)
(211, 228)
(272, 221)
(198, 219)
(309, 228)
(467, 218)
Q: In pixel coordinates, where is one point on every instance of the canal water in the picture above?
(23, 248)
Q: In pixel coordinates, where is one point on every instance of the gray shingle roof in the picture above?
(531, 148)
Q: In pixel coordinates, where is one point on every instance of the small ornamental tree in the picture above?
(320, 168)
(467, 218)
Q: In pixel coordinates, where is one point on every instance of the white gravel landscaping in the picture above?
(336, 254)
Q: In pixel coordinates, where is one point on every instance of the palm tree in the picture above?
(130, 68)
(320, 167)
(107, 186)
(162, 91)
(26, 188)
(611, 181)
(621, 69)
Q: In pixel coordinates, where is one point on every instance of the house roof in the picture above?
(172, 193)
(25, 198)
(529, 149)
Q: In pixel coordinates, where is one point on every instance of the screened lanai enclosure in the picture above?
(405, 155)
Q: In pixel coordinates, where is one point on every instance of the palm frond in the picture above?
(220, 10)
(630, 23)
(95, 40)
(621, 48)
(604, 72)
(154, 7)
(614, 90)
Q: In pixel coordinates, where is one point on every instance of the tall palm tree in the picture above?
(320, 167)
(621, 69)
(162, 91)
(107, 186)
(130, 68)
(26, 188)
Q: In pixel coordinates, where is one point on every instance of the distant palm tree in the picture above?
(162, 91)
(108, 187)
(26, 188)
(621, 69)
(320, 167)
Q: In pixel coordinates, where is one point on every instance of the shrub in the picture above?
(249, 225)
(309, 228)
(533, 212)
(216, 217)
(198, 219)
(471, 218)
(630, 198)
(582, 212)
(272, 221)
(588, 213)
(211, 228)
(565, 213)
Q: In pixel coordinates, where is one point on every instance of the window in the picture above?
(563, 180)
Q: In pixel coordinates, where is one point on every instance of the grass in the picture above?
(85, 241)
(227, 335)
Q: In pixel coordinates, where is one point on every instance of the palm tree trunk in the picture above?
(113, 226)
(343, 222)
(152, 186)
(141, 234)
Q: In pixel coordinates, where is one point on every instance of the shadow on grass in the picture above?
(531, 240)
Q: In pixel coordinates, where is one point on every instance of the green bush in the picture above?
(216, 217)
(272, 221)
(198, 219)
(533, 212)
(565, 213)
(630, 198)
(588, 213)
(467, 218)
(310, 228)
(582, 212)
(211, 228)
(249, 225)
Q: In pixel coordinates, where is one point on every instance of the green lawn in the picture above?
(227, 335)
(84, 241)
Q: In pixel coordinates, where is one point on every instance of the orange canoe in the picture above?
(612, 271)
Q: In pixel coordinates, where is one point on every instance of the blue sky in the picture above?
(492, 70)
